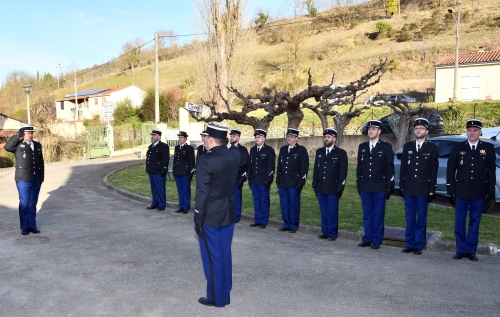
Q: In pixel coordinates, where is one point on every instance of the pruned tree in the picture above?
(295, 41)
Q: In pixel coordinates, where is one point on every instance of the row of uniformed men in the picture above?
(374, 180)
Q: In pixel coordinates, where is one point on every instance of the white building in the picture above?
(90, 102)
(478, 77)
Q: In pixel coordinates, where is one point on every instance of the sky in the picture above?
(40, 35)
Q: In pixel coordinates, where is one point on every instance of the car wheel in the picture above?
(489, 205)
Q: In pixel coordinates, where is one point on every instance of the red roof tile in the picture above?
(470, 58)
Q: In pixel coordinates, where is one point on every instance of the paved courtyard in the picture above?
(101, 254)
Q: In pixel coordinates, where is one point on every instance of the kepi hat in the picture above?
(217, 131)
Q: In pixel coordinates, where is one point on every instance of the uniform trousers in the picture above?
(373, 216)
(290, 207)
(184, 191)
(216, 256)
(261, 200)
(157, 183)
(467, 242)
(28, 198)
(237, 201)
(416, 221)
(329, 206)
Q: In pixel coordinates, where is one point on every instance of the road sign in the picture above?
(108, 108)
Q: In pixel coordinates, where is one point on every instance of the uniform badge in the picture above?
(408, 162)
(461, 162)
(22, 145)
(362, 158)
(462, 153)
(24, 155)
(410, 152)
(363, 150)
(482, 152)
(319, 156)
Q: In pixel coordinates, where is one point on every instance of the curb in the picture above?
(433, 243)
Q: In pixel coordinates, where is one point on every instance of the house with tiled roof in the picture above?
(90, 103)
(478, 76)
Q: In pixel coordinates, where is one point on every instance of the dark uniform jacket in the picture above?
(471, 174)
(292, 166)
(215, 178)
(242, 170)
(375, 171)
(201, 150)
(418, 172)
(330, 171)
(261, 165)
(28, 162)
(157, 158)
(183, 160)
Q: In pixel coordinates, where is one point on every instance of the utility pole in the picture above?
(59, 73)
(457, 20)
(157, 93)
(76, 101)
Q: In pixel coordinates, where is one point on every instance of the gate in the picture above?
(97, 141)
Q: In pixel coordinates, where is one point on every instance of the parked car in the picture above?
(444, 144)
(436, 125)
(400, 98)
(492, 133)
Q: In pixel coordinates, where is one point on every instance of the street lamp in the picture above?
(457, 21)
(27, 90)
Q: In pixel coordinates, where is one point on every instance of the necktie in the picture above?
(258, 149)
(473, 148)
(327, 151)
(371, 149)
(418, 148)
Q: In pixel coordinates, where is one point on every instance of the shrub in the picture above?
(382, 26)
(124, 111)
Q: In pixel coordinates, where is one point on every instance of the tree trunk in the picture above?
(401, 133)
(295, 116)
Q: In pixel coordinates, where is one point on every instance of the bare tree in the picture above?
(294, 43)
(296, 6)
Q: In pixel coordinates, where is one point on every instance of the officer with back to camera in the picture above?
(329, 177)
(417, 182)
(183, 170)
(375, 181)
(242, 172)
(214, 214)
(29, 175)
(470, 178)
(260, 177)
(157, 158)
(291, 175)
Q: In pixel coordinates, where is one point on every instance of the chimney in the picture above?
(480, 49)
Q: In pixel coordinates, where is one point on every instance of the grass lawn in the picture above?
(441, 219)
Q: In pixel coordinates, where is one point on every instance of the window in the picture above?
(445, 149)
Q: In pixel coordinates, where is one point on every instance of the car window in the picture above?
(445, 149)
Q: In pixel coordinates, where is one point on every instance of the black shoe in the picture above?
(35, 230)
(283, 229)
(25, 232)
(262, 226)
(236, 221)
(179, 210)
(458, 256)
(375, 246)
(417, 252)
(205, 301)
(407, 250)
(151, 207)
(292, 231)
(330, 239)
(254, 224)
(185, 211)
(161, 209)
(322, 236)
(472, 256)
(364, 244)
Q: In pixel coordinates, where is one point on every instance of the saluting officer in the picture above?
(470, 178)
(417, 182)
(29, 175)
(291, 175)
(183, 170)
(157, 158)
(375, 181)
(329, 176)
(260, 177)
(242, 172)
(214, 214)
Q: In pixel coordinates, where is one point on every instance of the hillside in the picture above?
(418, 38)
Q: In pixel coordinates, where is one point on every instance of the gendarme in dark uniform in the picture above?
(291, 175)
(201, 148)
(375, 181)
(470, 178)
(157, 158)
(329, 177)
(242, 172)
(417, 183)
(183, 170)
(260, 177)
(214, 214)
(29, 175)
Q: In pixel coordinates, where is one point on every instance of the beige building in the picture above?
(478, 77)
(90, 102)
